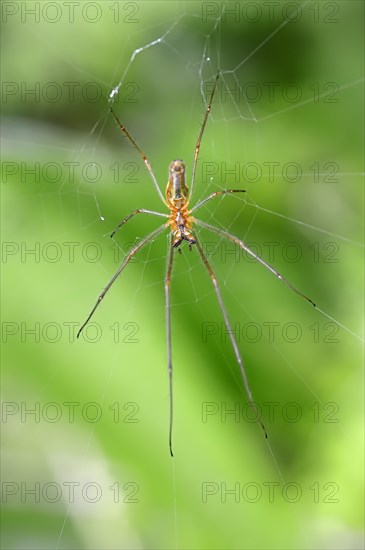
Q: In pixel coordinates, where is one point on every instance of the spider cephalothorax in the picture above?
(177, 197)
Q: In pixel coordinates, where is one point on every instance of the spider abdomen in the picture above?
(176, 190)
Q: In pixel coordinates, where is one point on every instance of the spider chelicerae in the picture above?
(181, 224)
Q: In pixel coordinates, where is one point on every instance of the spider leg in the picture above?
(129, 256)
(231, 334)
(141, 154)
(216, 194)
(197, 147)
(242, 245)
(139, 211)
(168, 332)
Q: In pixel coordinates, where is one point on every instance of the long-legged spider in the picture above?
(181, 224)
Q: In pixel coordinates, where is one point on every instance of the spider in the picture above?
(181, 224)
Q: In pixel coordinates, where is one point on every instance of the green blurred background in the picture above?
(112, 449)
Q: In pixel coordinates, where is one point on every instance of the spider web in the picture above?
(284, 127)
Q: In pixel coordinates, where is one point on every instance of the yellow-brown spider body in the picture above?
(177, 197)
